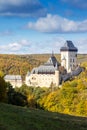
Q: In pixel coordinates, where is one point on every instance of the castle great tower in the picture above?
(69, 56)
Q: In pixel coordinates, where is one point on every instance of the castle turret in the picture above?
(69, 56)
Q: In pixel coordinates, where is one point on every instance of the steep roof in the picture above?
(47, 68)
(76, 72)
(68, 46)
(52, 61)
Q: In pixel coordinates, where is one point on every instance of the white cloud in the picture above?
(16, 47)
(57, 24)
(44, 46)
(25, 42)
(81, 44)
(10, 48)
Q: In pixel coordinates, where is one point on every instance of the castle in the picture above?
(49, 73)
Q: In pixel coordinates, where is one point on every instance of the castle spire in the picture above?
(52, 53)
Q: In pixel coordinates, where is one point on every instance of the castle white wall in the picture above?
(69, 60)
(42, 80)
(15, 83)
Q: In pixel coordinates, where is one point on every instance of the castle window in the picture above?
(76, 55)
(70, 65)
(33, 78)
(73, 60)
(73, 65)
(70, 60)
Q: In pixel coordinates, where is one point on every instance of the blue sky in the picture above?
(42, 26)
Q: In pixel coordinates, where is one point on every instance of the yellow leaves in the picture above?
(49, 102)
(31, 101)
(81, 85)
(80, 108)
(1, 74)
(67, 110)
(13, 64)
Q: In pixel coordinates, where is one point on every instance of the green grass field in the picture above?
(18, 118)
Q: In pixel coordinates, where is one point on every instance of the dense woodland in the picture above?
(17, 64)
(71, 98)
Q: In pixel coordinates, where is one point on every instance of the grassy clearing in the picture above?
(18, 118)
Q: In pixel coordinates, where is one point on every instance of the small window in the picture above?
(70, 60)
(70, 65)
(75, 55)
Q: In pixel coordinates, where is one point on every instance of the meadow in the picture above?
(19, 118)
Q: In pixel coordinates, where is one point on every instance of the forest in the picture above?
(17, 64)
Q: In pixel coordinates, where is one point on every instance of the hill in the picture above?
(18, 118)
(21, 64)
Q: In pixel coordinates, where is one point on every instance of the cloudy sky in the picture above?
(42, 26)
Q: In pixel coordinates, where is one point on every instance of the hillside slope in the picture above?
(18, 118)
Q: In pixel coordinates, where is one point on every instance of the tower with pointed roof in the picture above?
(69, 56)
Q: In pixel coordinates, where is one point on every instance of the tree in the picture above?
(16, 98)
(3, 90)
(31, 101)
